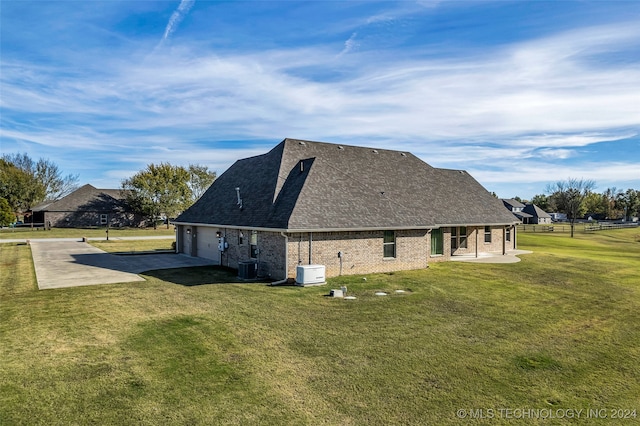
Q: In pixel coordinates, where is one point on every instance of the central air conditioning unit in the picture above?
(247, 270)
(310, 275)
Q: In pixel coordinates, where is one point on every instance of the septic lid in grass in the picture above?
(349, 298)
(399, 291)
(381, 293)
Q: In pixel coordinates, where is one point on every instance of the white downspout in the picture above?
(286, 261)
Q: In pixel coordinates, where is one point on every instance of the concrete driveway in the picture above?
(61, 264)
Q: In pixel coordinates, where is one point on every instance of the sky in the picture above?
(521, 94)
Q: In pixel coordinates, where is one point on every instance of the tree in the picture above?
(596, 204)
(25, 183)
(17, 187)
(6, 213)
(610, 202)
(200, 179)
(569, 195)
(629, 203)
(158, 189)
(541, 201)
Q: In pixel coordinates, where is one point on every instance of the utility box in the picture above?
(247, 270)
(310, 275)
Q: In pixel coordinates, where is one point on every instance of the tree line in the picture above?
(158, 190)
(576, 198)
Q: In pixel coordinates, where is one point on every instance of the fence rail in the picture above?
(579, 227)
(603, 226)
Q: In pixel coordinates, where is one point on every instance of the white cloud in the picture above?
(349, 45)
(177, 16)
(538, 99)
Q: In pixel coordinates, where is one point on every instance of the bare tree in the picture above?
(569, 196)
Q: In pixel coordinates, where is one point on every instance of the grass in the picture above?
(133, 246)
(559, 330)
(25, 232)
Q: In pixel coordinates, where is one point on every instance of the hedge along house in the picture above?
(352, 209)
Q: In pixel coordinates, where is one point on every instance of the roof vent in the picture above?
(375, 151)
(403, 154)
(340, 147)
(301, 166)
(239, 199)
(461, 172)
(301, 143)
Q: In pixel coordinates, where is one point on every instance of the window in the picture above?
(253, 245)
(454, 238)
(436, 242)
(458, 237)
(103, 219)
(508, 236)
(389, 244)
(463, 237)
(487, 234)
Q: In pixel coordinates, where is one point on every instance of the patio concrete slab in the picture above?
(60, 264)
(510, 257)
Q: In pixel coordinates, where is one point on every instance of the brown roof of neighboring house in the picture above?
(304, 185)
(85, 198)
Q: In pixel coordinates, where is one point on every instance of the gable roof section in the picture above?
(306, 186)
(85, 198)
(535, 211)
(510, 203)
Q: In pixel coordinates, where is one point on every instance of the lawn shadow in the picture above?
(197, 275)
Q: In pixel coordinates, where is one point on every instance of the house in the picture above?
(538, 216)
(86, 206)
(352, 209)
(556, 217)
(517, 208)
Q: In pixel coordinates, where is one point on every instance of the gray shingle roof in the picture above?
(535, 211)
(510, 202)
(85, 198)
(304, 185)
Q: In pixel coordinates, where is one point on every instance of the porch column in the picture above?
(504, 240)
(477, 242)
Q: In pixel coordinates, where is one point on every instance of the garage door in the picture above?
(207, 243)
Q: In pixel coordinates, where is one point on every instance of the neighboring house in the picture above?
(84, 207)
(517, 208)
(538, 216)
(354, 210)
(558, 216)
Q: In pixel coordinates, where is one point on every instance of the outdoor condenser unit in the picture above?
(310, 274)
(247, 270)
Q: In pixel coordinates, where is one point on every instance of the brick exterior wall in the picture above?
(83, 219)
(362, 251)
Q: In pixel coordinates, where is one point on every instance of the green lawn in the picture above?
(133, 246)
(25, 232)
(558, 331)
